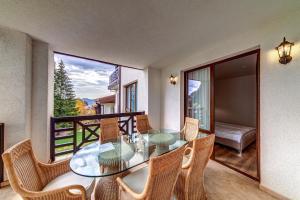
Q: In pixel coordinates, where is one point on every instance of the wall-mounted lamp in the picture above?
(173, 79)
(284, 51)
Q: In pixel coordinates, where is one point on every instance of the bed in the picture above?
(235, 136)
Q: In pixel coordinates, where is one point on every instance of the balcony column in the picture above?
(42, 98)
(153, 95)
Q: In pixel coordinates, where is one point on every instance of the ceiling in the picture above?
(243, 66)
(137, 33)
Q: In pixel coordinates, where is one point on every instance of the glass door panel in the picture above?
(198, 96)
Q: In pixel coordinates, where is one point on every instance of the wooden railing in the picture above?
(69, 134)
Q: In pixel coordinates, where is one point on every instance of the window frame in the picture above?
(127, 87)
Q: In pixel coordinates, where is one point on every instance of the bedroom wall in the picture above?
(235, 100)
(279, 100)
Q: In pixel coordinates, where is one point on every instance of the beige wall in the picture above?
(109, 108)
(42, 98)
(26, 90)
(129, 75)
(148, 91)
(279, 101)
(153, 100)
(235, 100)
(15, 85)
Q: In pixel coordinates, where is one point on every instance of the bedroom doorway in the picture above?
(224, 96)
(236, 113)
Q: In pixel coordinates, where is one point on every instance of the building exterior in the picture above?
(130, 87)
(105, 105)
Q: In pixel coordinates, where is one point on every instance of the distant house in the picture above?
(105, 105)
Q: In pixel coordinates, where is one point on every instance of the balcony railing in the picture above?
(69, 134)
(114, 79)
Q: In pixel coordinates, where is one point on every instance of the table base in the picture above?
(107, 187)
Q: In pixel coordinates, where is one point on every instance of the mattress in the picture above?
(232, 132)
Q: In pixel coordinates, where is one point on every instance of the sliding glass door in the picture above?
(224, 97)
(198, 96)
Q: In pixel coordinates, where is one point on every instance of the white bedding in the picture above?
(232, 131)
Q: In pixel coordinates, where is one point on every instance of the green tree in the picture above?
(64, 95)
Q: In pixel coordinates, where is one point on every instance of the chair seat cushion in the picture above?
(137, 180)
(71, 178)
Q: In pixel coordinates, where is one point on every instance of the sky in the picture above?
(194, 85)
(89, 78)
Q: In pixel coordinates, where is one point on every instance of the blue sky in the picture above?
(194, 85)
(90, 78)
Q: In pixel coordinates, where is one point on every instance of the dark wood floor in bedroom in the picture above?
(245, 163)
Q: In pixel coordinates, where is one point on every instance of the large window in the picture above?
(131, 97)
(198, 96)
(82, 86)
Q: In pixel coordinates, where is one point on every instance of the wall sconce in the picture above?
(284, 51)
(173, 79)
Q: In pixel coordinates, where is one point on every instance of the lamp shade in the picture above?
(284, 51)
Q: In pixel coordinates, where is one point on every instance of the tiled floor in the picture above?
(221, 184)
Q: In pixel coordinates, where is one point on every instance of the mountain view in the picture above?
(90, 102)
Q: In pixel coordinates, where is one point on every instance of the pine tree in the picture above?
(64, 95)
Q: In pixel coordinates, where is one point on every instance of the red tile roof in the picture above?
(107, 99)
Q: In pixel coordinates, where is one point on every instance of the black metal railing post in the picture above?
(52, 139)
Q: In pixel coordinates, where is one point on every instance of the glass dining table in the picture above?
(114, 158)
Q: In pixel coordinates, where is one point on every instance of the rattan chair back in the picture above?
(142, 124)
(109, 129)
(191, 128)
(190, 183)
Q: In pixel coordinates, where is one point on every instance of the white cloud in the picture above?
(90, 79)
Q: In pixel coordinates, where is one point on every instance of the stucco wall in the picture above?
(279, 101)
(148, 91)
(153, 100)
(42, 98)
(109, 108)
(26, 90)
(15, 85)
(129, 75)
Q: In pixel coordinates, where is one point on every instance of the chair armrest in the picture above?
(188, 150)
(51, 171)
(61, 193)
(124, 187)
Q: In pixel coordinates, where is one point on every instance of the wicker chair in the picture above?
(190, 129)
(189, 184)
(142, 124)
(109, 129)
(157, 182)
(33, 180)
